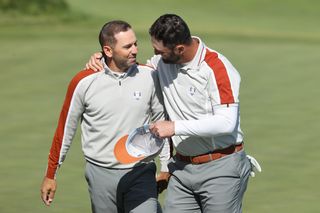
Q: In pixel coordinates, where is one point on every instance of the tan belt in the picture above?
(210, 156)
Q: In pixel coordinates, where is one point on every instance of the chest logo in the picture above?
(137, 95)
(192, 90)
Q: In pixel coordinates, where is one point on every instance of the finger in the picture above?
(92, 64)
(45, 198)
(99, 66)
(98, 55)
(151, 126)
(88, 67)
(153, 129)
(96, 63)
(49, 198)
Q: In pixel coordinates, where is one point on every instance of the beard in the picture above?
(123, 63)
(171, 59)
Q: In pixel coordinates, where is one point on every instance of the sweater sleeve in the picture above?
(222, 122)
(70, 114)
(158, 113)
(153, 61)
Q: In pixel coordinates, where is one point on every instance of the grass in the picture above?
(274, 44)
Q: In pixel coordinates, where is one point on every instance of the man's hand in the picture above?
(48, 189)
(162, 181)
(94, 62)
(162, 129)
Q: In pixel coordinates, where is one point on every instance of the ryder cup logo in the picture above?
(137, 95)
(192, 90)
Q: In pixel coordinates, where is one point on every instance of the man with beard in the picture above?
(210, 170)
(110, 104)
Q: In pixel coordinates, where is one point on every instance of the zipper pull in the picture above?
(120, 83)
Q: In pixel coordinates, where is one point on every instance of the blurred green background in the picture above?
(275, 45)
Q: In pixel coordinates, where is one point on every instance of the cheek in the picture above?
(123, 53)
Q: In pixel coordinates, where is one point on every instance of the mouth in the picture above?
(133, 59)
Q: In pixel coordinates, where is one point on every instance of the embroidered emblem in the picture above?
(137, 95)
(192, 90)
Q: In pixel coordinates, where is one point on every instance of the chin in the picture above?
(174, 60)
(168, 61)
(131, 63)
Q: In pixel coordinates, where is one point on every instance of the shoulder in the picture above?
(154, 61)
(218, 63)
(211, 55)
(85, 74)
(145, 67)
(82, 76)
(147, 74)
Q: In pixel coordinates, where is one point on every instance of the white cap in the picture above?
(139, 145)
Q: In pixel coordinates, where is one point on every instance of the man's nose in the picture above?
(134, 50)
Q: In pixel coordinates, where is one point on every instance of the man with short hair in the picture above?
(110, 105)
(200, 86)
(210, 170)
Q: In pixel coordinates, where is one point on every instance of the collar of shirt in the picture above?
(117, 75)
(194, 64)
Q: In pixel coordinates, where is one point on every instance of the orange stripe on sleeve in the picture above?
(53, 159)
(221, 76)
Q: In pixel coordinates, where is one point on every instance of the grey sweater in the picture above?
(109, 106)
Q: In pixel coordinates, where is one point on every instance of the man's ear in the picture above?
(179, 49)
(108, 51)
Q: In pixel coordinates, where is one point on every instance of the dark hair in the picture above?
(106, 35)
(171, 29)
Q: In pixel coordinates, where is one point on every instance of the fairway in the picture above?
(275, 45)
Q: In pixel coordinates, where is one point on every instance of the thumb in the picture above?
(151, 126)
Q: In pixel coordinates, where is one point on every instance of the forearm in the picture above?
(62, 140)
(224, 121)
(71, 112)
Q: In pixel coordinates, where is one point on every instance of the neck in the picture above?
(190, 51)
(112, 65)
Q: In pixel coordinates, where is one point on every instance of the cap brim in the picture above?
(121, 153)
